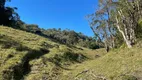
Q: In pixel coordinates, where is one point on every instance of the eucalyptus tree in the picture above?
(117, 16)
(128, 13)
(101, 23)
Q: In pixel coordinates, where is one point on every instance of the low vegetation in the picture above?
(28, 52)
(117, 65)
(31, 57)
(22, 55)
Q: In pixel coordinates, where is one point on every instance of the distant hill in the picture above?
(67, 37)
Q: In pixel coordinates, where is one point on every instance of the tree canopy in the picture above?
(8, 16)
(117, 19)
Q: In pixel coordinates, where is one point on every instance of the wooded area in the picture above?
(117, 21)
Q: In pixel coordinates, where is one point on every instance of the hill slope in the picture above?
(31, 57)
(123, 64)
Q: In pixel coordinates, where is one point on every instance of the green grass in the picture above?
(22, 54)
(115, 65)
(32, 57)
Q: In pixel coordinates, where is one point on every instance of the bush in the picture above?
(129, 77)
(93, 45)
(67, 57)
(139, 29)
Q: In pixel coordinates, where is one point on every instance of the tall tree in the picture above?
(8, 16)
(101, 23)
(128, 13)
(115, 16)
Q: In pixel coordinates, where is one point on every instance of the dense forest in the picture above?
(28, 52)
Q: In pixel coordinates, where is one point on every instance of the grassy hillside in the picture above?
(31, 57)
(121, 64)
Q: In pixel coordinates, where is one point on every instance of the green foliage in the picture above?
(8, 15)
(116, 21)
(33, 28)
(93, 45)
(69, 37)
(67, 57)
(139, 29)
(129, 77)
(119, 41)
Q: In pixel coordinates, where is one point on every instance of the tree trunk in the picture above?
(106, 46)
(123, 34)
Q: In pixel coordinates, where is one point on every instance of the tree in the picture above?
(128, 13)
(114, 17)
(102, 25)
(8, 16)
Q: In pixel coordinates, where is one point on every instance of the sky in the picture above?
(64, 14)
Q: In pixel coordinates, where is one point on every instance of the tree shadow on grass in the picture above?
(18, 71)
(31, 55)
(67, 59)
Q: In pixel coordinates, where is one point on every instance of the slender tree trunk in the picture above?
(123, 34)
(106, 46)
(112, 42)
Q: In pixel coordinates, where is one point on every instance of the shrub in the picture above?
(67, 57)
(129, 77)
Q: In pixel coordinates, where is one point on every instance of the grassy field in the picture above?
(117, 65)
(28, 56)
(32, 57)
